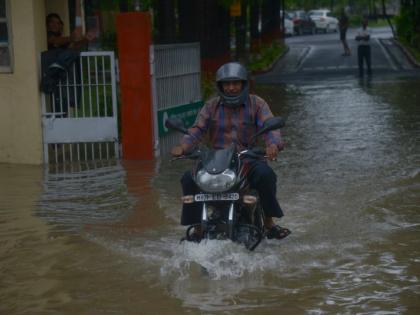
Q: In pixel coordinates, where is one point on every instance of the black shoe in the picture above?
(277, 232)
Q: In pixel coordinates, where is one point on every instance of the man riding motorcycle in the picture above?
(235, 116)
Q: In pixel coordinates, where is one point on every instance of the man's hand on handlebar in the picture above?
(177, 151)
(271, 152)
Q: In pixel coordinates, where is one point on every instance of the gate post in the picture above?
(134, 40)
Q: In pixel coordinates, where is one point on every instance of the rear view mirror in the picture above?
(271, 124)
(176, 123)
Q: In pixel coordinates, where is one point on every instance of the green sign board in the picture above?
(187, 113)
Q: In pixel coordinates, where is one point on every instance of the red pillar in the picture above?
(134, 40)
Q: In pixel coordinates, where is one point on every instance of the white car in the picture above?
(324, 20)
(288, 23)
(288, 27)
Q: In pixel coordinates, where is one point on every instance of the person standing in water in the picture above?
(343, 24)
(363, 49)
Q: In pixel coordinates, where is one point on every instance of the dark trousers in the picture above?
(261, 178)
(363, 54)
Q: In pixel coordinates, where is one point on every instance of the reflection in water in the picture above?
(87, 194)
(106, 239)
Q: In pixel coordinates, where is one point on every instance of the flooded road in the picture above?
(105, 240)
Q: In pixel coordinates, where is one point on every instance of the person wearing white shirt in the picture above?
(363, 49)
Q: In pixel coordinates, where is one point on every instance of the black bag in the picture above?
(54, 66)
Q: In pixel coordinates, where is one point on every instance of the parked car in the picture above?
(288, 24)
(288, 27)
(324, 20)
(302, 22)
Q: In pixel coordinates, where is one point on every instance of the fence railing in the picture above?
(177, 89)
(80, 115)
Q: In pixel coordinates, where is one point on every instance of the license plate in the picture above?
(216, 197)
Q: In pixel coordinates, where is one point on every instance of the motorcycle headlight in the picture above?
(217, 182)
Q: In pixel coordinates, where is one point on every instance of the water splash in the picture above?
(220, 260)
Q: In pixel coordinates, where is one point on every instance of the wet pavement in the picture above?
(104, 238)
(315, 57)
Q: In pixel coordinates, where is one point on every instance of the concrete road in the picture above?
(314, 57)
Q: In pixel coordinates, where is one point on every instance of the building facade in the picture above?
(22, 39)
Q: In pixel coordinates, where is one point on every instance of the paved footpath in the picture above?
(315, 57)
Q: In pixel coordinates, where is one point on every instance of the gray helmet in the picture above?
(232, 71)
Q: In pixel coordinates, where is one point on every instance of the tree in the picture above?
(270, 20)
(165, 21)
(240, 31)
(212, 23)
(254, 17)
(188, 20)
(387, 18)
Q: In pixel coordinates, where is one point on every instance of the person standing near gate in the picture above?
(56, 39)
(363, 49)
(64, 52)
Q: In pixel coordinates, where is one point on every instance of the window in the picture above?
(5, 48)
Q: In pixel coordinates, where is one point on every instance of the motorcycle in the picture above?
(230, 208)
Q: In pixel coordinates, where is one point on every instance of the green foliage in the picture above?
(405, 23)
(381, 22)
(267, 55)
(414, 50)
(355, 20)
(108, 41)
(415, 42)
(408, 32)
(208, 87)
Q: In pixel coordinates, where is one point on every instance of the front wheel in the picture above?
(248, 235)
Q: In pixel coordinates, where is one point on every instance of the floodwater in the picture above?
(104, 239)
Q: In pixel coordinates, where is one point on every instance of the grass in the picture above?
(412, 50)
(356, 21)
(380, 23)
(267, 55)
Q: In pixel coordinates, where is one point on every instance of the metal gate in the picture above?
(176, 71)
(80, 117)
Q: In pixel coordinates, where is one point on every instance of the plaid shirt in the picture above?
(221, 125)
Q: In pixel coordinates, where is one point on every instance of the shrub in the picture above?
(404, 24)
(266, 56)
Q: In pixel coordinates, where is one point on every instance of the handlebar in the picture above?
(255, 153)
